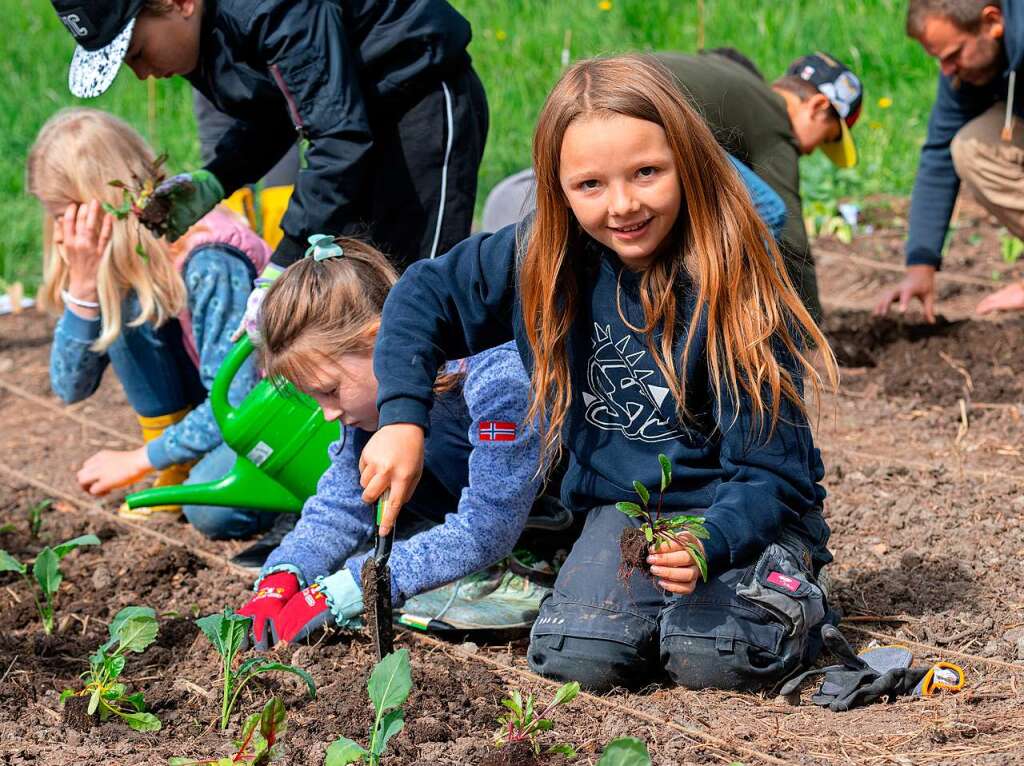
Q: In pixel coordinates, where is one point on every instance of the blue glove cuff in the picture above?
(344, 598)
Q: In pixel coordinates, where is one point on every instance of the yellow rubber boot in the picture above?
(165, 477)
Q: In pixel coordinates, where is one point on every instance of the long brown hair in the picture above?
(722, 246)
(318, 311)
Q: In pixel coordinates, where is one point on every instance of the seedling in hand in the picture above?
(227, 632)
(260, 742)
(133, 629)
(684, 531)
(137, 199)
(523, 724)
(389, 687)
(46, 571)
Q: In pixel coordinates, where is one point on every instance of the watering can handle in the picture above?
(222, 409)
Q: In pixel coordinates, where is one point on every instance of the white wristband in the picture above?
(69, 298)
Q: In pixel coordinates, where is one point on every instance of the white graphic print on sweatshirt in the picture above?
(620, 398)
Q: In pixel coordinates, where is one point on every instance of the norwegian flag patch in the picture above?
(497, 431)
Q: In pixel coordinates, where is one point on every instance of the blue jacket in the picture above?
(622, 414)
(937, 184)
(475, 494)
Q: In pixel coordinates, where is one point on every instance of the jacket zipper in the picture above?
(293, 108)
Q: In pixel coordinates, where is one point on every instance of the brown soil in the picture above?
(633, 552)
(520, 754)
(370, 577)
(926, 504)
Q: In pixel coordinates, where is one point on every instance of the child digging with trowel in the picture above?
(161, 315)
(479, 481)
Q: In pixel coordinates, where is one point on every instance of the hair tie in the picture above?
(322, 247)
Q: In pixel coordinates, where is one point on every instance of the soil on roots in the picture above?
(633, 551)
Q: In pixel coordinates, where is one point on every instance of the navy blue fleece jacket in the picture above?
(622, 414)
(937, 184)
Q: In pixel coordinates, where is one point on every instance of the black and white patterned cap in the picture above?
(103, 30)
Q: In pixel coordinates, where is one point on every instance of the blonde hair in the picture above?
(720, 244)
(76, 155)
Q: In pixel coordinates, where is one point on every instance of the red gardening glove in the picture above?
(304, 613)
(272, 594)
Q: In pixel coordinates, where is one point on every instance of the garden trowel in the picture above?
(376, 571)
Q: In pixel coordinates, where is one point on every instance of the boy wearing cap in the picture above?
(766, 127)
(380, 94)
(974, 137)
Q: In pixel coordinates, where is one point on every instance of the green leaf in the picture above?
(136, 701)
(47, 571)
(178, 760)
(700, 560)
(391, 681)
(648, 533)
(512, 705)
(66, 547)
(563, 749)
(344, 751)
(566, 694)
(66, 695)
(273, 720)
(136, 633)
(544, 724)
(225, 631)
(630, 509)
(642, 491)
(94, 702)
(113, 666)
(142, 721)
(7, 528)
(528, 710)
(114, 691)
(269, 666)
(126, 614)
(666, 471)
(390, 725)
(625, 751)
(10, 564)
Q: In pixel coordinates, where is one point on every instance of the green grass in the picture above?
(517, 49)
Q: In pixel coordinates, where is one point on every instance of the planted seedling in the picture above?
(625, 751)
(227, 632)
(389, 687)
(35, 517)
(260, 742)
(523, 725)
(132, 630)
(46, 571)
(685, 531)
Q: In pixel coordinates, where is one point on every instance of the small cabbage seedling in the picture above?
(35, 517)
(132, 630)
(227, 632)
(625, 751)
(523, 724)
(389, 687)
(46, 571)
(260, 742)
(685, 531)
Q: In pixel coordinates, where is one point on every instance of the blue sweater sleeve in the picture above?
(75, 369)
(766, 200)
(335, 522)
(937, 184)
(767, 480)
(218, 285)
(503, 484)
(447, 308)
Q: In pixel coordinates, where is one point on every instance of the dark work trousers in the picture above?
(745, 629)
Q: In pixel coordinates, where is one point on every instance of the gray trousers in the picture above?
(745, 629)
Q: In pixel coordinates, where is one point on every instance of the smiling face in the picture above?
(973, 57)
(619, 177)
(346, 390)
(167, 44)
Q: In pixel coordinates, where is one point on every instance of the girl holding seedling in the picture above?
(656, 316)
(161, 315)
(320, 321)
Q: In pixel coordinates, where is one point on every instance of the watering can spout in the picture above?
(243, 486)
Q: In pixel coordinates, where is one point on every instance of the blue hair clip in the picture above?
(322, 247)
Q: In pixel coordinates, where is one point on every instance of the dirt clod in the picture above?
(75, 715)
(633, 550)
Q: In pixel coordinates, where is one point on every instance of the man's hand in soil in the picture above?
(335, 600)
(392, 459)
(83, 233)
(272, 593)
(109, 469)
(674, 567)
(1010, 298)
(919, 283)
(179, 202)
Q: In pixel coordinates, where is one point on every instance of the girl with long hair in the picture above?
(654, 312)
(161, 315)
(319, 324)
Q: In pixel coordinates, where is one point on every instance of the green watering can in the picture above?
(280, 437)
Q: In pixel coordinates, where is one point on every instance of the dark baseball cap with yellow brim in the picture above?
(843, 90)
